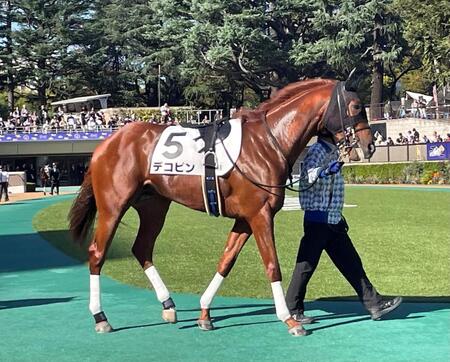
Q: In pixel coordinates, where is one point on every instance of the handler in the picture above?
(326, 229)
(4, 182)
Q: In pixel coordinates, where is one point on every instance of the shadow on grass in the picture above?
(21, 303)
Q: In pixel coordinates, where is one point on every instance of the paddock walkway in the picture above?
(44, 317)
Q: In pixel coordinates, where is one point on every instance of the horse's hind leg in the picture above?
(236, 239)
(152, 214)
(106, 226)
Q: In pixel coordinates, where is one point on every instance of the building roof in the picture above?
(81, 99)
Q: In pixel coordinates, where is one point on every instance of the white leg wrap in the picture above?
(95, 305)
(210, 292)
(162, 293)
(280, 302)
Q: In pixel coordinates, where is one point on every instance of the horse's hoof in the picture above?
(205, 324)
(103, 327)
(169, 315)
(298, 331)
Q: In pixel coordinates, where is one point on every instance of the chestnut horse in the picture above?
(273, 135)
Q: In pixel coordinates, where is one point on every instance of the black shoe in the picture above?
(384, 307)
(303, 319)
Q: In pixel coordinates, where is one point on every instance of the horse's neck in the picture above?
(293, 128)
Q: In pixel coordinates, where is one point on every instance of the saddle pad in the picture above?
(181, 151)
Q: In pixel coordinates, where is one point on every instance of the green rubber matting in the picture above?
(44, 316)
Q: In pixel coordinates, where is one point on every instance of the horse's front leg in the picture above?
(238, 236)
(263, 230)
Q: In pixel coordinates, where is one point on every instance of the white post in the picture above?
(159, 85)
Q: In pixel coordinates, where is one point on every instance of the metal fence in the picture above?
(379, 111)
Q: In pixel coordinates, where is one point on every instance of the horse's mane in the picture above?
(280, 97)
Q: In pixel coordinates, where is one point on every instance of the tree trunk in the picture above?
(376, 97)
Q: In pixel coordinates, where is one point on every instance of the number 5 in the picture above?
(179, 147)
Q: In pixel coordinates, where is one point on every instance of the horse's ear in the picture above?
(352, 82)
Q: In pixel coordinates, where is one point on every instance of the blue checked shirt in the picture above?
(326, 197)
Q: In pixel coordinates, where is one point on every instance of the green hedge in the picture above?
(426, 173)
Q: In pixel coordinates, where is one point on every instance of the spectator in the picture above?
(416, 136)
(54, 178)
(389, 142)
(59, 114)
(388, 110)
(422, 108)
(71, 123)
(43, 115)
(23, 113)
(401, 139)
(448, 138)
(16, 113)
(425, 139)
(402, 111)
(436, 137)
(414, 109)
(4, 183)
(410, 137)
(165, 113)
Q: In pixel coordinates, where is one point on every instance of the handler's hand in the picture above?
(333, 168)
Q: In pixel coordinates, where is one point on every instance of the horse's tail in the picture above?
(83, 210)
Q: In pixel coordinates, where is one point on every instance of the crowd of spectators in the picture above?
(410, 137)
(26, 121)
(417, 108)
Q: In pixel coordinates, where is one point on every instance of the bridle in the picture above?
(345, 123)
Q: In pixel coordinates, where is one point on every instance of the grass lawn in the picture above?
(402, 237)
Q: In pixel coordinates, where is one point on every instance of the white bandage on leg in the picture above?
(162, 293)
(210, 292)
(95, 305)
(280, 302)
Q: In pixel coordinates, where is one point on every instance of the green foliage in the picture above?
(399, 173)
(215, 54)
(427, 29)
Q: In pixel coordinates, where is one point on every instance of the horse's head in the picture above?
(346, 119)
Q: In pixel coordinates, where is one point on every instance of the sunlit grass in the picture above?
(402, 237)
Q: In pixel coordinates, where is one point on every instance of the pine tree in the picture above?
(6, 51)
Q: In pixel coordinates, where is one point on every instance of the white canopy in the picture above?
(417, 96)
(103, 98)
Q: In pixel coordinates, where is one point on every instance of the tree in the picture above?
(42, 41)
(427, 30)
(6, 50)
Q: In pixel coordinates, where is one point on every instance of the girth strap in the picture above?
(210, 184)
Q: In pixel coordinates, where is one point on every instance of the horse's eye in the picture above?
(357, 106)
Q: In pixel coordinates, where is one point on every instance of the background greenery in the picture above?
(217, 54)
(399, 173)
(401, 235)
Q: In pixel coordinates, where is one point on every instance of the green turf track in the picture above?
(44, 317)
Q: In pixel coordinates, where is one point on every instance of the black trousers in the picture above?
(338, 245)
(53, 185)
(4, 189)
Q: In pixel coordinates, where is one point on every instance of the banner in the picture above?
(438, 151)
(60, 136)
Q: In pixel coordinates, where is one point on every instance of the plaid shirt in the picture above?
(327, 194)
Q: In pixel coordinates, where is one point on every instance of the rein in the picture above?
(345, 144)
(277, 146)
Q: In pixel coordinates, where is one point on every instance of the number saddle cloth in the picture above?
(208, 151)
